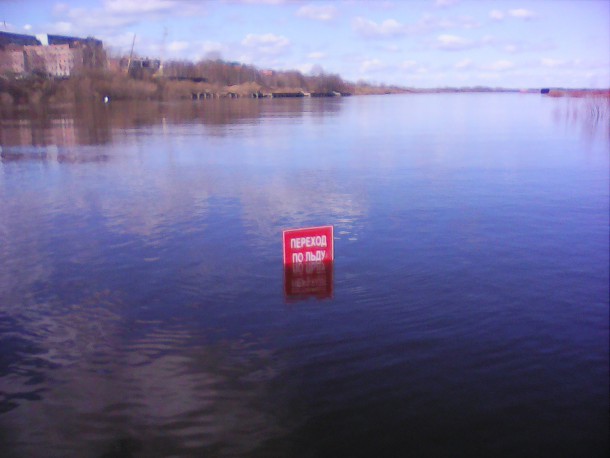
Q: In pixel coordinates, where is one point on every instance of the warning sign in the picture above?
(311, 244)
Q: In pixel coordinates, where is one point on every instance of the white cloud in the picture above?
(445, 3)
(27, 27)
(488, 76)
(496, 15)
(82, 21)
(500, 65)
(212, 49)
(62, 28)
(318, 13)
(261, 2)
(552, 63)
(519, 13)
(463, 64)
(139, 6)
(208, 46)
(8, 27)
(521, 46)
(522, 13)
(412, 67)
(371, 65)
(452, 43)
(178, 46)
(316, 55)
(60, 8)
(428, 23)
(386, 29)
(489, 40)
(305, 69)
(467, 22)
(120, 42)
(113, 17)
(267, 43)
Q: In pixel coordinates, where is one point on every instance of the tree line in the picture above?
(234, 73)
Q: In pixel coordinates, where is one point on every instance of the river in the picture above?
(145, 312)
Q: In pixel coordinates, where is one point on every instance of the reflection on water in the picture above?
(66, 126)
(310, 279)
(180, 394)
(144, 310)
(591, 115)
(51, 153)
(69, 126)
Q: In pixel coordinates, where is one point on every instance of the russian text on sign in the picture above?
(310, 244)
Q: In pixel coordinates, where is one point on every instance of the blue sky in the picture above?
(427, 43)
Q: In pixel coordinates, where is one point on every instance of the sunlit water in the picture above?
(142, 303)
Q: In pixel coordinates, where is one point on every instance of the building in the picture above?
(58, 61)
(137, 67)
(57, 56)
(93, 54)
(12, 60)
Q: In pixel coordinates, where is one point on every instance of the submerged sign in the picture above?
(311, 244)
(309, 279)
(308, 262)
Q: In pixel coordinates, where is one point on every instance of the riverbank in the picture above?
(579, 93)
(102, 85)
(99, 85)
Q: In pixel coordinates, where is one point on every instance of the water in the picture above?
(142, 302)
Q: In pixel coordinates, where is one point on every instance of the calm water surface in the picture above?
(142, 302)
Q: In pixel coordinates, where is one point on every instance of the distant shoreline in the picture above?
(15, 93)
(56, 69)
(112, 86)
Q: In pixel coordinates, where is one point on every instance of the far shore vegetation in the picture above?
(177, 80)
(183, 80)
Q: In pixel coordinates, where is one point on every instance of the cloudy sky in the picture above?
(427, 43)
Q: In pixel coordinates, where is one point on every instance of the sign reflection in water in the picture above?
(469, 306)
(308, 279)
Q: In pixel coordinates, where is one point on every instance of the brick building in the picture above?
(12, 60)
(52, 55)
(54, 60)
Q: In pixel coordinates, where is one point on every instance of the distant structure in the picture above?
(137, 67)
(17, 39)
(54, 56)
(58, 61)
(143, 65)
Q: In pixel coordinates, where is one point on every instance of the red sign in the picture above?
(311, 244)
(309, 279)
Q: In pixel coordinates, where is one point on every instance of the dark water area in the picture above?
(143, 302)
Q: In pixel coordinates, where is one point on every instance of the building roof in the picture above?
(18, 39)
(65, 40)
(30, 40)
